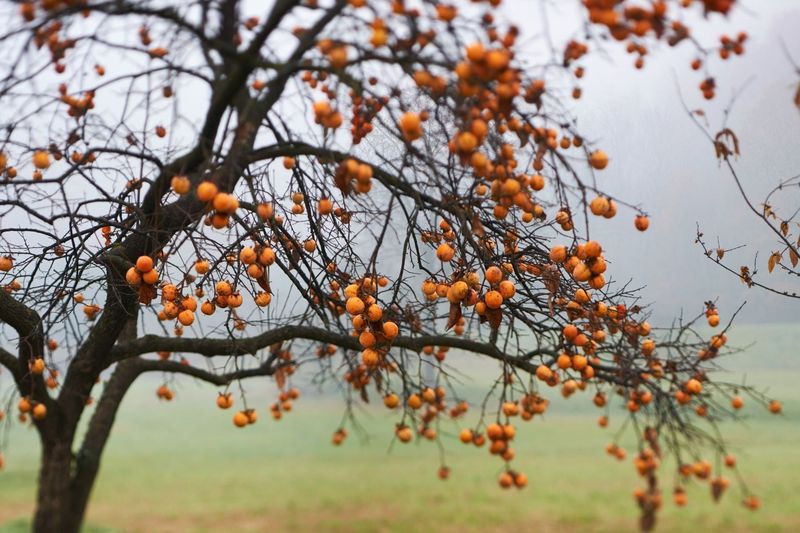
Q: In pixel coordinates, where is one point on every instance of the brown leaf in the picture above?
(455, 315)
(797, 96)
(774, 259)
(146, 293)
(785, 228)
(495, 317)
(263, 282)
(793, 257)
(744, 275)
(721, 146)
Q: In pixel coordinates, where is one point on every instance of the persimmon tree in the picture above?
(351, 188)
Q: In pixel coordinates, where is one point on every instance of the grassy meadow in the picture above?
(182, 466)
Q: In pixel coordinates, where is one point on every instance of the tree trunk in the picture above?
(66, 482)
(54, 509)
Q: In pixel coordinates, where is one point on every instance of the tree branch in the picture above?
(250, 345)
(174, 367)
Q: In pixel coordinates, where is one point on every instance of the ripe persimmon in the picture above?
(39, 411)
(370, 357)
(24, 405)
(133, 277)
(558, 254)
(263, 299)
(240, 419)
(180, 184)
(404, 434)
(225, 203)
(507, 289)
(325, 206)
(599, 206)
(374, 313)
(390, 330)
(493, 299)
(445, 253)
(355, 305)
(37, 366)
(493, 275)
(774, 407)
(411, 126)
(414, 401)
(598, 160)
(457, 291)
(144, 264)
(186, 317)
(223, 288)
(694, 386)
(225, 401)
(41, 159)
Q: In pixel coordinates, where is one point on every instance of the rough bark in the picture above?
(53, 505)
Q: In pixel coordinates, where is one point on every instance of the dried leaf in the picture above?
(721, 144)
(793, 257)
(146, 293)
(774, 259)
(797, 96)
(455, 315)
(263, 282)
(495, 317)
(744, 275)
(785, 228)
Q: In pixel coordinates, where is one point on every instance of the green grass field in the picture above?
(183, 467)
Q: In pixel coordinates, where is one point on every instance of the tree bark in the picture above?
(54, 510)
